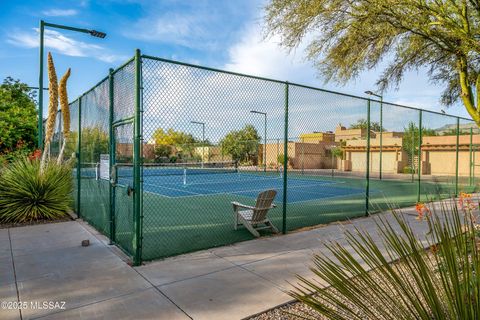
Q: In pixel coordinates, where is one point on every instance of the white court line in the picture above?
(240, 191)
(246, 179)
(176, 189)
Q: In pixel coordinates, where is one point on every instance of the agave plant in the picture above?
(441, 282)
(28, 194)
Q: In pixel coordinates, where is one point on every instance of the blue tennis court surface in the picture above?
(246, 185)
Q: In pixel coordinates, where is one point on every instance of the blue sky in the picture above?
(223, 34)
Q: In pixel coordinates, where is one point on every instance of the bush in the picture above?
(281, 158)
(408, 169)
(440, 283)
(26, 194)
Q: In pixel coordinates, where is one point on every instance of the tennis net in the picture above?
(179, 169)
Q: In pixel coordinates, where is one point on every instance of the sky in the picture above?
(220, 34)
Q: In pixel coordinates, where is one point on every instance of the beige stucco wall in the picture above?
(301, 155)
(443, 162)
(390, 164)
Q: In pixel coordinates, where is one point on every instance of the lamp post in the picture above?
(264, 140)
(203, 138)
(44, 24)
(381, 128)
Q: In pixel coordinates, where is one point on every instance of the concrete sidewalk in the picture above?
(45, 263)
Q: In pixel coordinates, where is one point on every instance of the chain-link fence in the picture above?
(163, 148)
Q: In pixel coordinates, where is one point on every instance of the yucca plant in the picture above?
(28, 194)
(440, 282)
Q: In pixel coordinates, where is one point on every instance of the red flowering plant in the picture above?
(422, 210)
(35, 155)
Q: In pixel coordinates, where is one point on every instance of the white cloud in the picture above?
(190, 30)
(64, 45)
(60, 12)
(264, 57)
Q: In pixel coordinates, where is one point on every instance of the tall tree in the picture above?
(363, 124)
(411, 134)
(18, 118)
(352, 36)
(241, 145)
(167, 142)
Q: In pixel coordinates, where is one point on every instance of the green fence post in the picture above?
(470, 171)
(412, 154)
(381, 137)
(474, 166)
(285, 162)
(456, 157)
(111, 160)
(40, 88)
(367, 176)
(419, 169)
(79, 155)
(137, 162)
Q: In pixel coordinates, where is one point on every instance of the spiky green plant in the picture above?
(28, 194)
(440, 283)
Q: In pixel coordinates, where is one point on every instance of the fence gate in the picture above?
(122, 180)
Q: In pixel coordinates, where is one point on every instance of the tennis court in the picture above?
(162, 130)
(193, 180)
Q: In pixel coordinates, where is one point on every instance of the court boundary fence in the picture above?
(119, 102)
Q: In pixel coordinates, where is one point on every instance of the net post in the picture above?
(456, 157)
(111, 154)
(137, 245)
(285, 162)
(419, 169)
(79, 156)
(470, 171)
(367, 173)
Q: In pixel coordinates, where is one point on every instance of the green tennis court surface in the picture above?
(180, 218)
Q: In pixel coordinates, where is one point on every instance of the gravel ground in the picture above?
(298, 310)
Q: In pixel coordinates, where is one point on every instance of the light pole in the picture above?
(44, 24)
(264, 140)
(203, 138)
(381, 128)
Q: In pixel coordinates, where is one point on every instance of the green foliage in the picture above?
(163, 150)
(363, 124)
(337, 152)
(281, 159)
(18, 120)
(26, 194)
(241, 145)
(408, 169)
(411, 135)
(453, 132)
(173, 142)
(94, 142)
(440, 283)
(348, 37)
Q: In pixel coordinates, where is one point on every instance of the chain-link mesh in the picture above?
(468, 133)
(94, 193)
(209, 138)
(326, 157)
(123, 137)
(201, 123)
(71, 149)
(56, 142)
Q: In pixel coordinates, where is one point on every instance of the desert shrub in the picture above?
(440, 283)
(26, 194)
